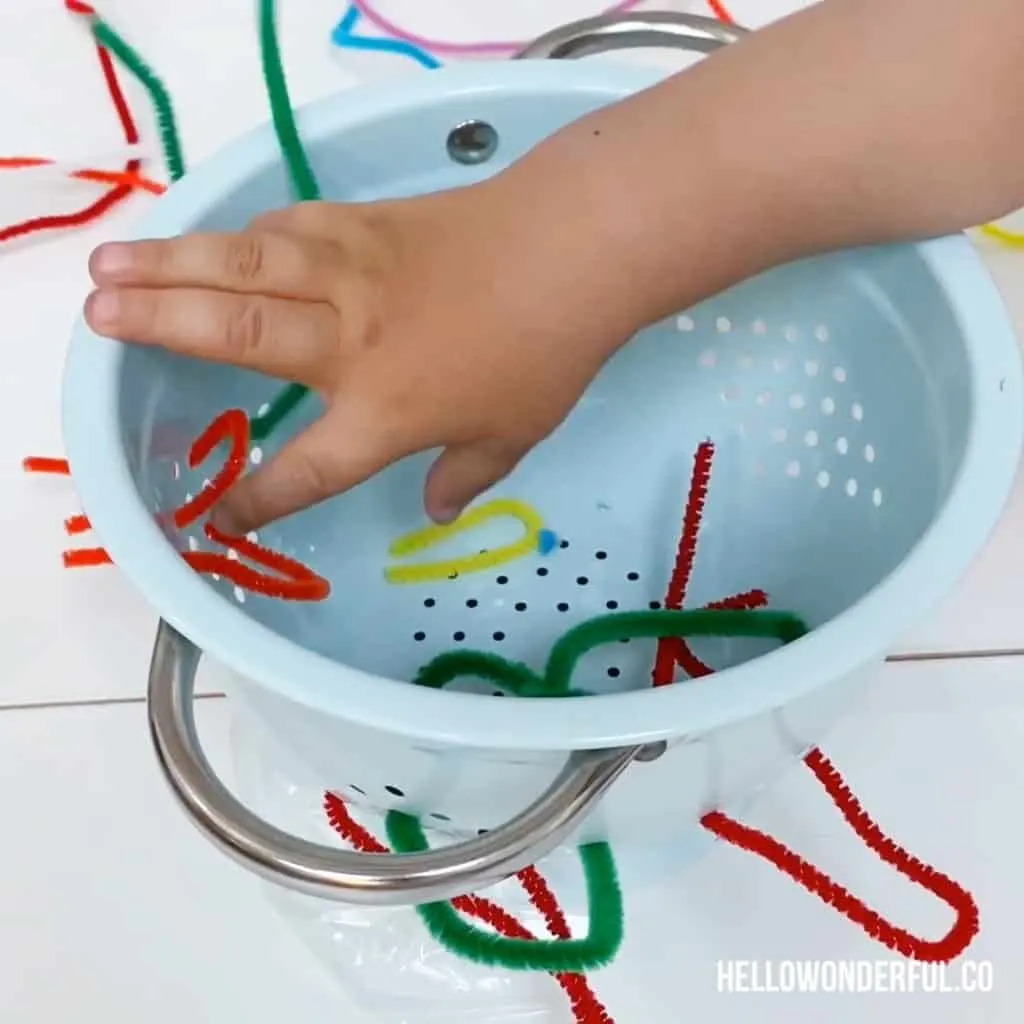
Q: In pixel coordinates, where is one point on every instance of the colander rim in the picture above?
(857, 636)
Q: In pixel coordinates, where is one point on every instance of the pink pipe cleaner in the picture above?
(440, 46)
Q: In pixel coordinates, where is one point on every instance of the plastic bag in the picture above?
(384, 958)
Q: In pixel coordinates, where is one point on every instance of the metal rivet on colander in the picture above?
(652, 751)
(472, 142)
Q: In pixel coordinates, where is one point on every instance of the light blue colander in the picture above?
(866, 413)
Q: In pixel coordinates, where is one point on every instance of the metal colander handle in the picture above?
(607, 32)
(382, 880)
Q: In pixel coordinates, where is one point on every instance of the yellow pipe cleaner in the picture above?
(432, 535)
(1012, 238)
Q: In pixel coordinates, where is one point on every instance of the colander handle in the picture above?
(333, 874)
(606, 32)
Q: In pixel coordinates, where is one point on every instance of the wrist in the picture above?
(645, 238)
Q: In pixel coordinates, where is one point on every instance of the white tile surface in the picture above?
(116, 910)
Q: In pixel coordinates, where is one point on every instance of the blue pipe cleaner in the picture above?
(345, 37)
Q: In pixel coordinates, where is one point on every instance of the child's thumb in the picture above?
(460, 474)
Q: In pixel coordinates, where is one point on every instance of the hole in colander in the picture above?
(823, 479)
(256, 456)
(501, 580)
(685, 323)
(562, 606)
(499, 636)
(811, 368)
(821, 332)
(437, 816)
(723, 325)
(611, 605)
(839, 375)
(632, 576)
(429, 602)
(614, 672)
(869, 453)
(394, 791)
(857, 412)
(876, 497)
(828, 406)
(458, 636)
(601, 555)
(472, 142)
(582, 581)
(520, 606)
(851, 487)
(797, 401)
(790, 333)
(472, 602)
(654, 605)
(420, 636)
(563, 544)
(793, 469)
(842, 445)
(542, 571)
(355, 789)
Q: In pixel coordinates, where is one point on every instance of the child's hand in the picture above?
(447, 321)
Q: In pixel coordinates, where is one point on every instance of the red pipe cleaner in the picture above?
(82, 558)
(231, 425)
(966, 925)
(116, 195)
(674, 651)
(77, 524)
(294, 581)
(815, 881)
(586, 1007)
(718, 9)
(17, 163)
(41, 464)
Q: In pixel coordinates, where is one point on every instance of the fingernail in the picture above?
(111, 259)
(102, 310)
(448, 514)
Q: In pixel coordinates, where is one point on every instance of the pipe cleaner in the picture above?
(586, 1007)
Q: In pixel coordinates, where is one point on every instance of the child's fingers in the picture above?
(315, 220)
(253, 262)
(295, 341)
(327, 459)
(461, 473)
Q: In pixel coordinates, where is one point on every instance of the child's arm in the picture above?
(473, 320)
(855, 121)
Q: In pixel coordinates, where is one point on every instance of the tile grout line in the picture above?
(895, 659)
(96, 702)
(981, 655)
